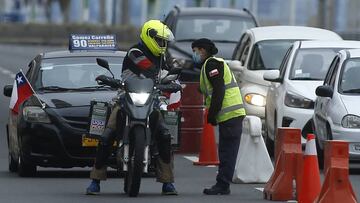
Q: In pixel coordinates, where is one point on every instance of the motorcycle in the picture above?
(140, 97)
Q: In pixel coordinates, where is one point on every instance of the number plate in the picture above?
(89, 142)
(98, 118)
(92, 142)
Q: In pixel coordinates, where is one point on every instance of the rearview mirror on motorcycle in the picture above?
(105, 64)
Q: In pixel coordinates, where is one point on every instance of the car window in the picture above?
(330, 71)
(75, 72)
(240, 47)
(216, 28)
(267, 55)
(349, 78)
(333, 74)
(285, 62)
(312, 64)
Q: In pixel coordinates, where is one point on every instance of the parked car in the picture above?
(291, 95)
(55, 136)
(337, 112)
(223, 26)
(262, 49)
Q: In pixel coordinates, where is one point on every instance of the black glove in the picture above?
(212, 120)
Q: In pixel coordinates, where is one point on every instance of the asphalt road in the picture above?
(68, 185)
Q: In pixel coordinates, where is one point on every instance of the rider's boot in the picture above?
(94, 187)
(168, 189)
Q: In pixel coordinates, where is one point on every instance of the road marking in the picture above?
(196, 159)
(7, 72)
(261, 189)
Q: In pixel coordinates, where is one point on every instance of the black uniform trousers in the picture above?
(229, 141)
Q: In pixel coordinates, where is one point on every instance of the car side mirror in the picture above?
(236, 66)
(324, 91)
(8, 90)
(272, 76)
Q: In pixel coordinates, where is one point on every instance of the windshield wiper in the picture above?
(305, 78)
(185, 40)
(55, 88)
(225, 41)
(357, 90)
(95, 87)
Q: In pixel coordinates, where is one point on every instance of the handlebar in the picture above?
(112, 82)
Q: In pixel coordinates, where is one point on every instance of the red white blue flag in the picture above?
(21, 91)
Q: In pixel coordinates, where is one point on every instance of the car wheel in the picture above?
(320, 153)
(13, 165)
(269, 142)
(25, 167)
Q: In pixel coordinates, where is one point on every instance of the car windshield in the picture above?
(349, 82)
(74, 72)
(312, 64)
(217, 28)
(268, 54)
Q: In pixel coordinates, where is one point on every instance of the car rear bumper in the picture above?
(350, 135)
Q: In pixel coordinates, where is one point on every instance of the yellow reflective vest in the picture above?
(232, 105)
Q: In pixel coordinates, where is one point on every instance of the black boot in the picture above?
(217, 190)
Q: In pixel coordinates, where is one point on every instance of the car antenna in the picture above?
(161, 55)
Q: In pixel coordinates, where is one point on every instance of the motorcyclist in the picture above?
(143, 60)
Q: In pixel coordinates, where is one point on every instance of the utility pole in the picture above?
(292, 16)
(321, 13)
(125, 12)
(102, 12)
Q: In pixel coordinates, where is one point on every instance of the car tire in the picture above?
(270, 144)
(25, 168)
(13, 164)
(320, 154)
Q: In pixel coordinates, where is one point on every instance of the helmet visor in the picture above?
(161, 42)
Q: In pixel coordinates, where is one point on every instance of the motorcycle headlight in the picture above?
(139, 98)
(35, 114)
(351, 121)
(255, 99)
(298, 101)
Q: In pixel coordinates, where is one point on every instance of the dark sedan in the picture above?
(54, 136)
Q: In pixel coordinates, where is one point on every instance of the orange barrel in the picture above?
(192, 119)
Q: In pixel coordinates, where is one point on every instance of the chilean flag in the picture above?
(21, 91)
(174, 100)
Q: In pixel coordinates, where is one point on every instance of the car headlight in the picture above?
(35, 114)
(139, 98)
(351, 121)
(255, 99)
(298, 101)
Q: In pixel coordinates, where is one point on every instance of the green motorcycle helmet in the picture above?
(156, 36)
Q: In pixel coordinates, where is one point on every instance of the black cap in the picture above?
(206, 44)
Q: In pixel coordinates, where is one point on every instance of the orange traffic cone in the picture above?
(208, 150)
(311, 185)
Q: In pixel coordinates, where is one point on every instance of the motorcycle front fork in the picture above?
(127, 147)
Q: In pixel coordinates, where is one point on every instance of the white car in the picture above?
(337, 109)
(291, 95)
(262, 49)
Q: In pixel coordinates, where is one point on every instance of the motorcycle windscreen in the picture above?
(139, 85)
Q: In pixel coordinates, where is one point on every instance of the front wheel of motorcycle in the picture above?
(136, 165)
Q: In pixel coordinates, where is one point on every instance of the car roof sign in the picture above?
(85, 42)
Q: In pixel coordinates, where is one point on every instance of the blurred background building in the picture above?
(337, 15)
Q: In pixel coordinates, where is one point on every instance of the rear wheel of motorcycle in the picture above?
(135, 166)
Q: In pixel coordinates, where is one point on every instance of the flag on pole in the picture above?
(174, 100)
(21, 91)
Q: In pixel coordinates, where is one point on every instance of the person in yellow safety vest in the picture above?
(225, 107)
